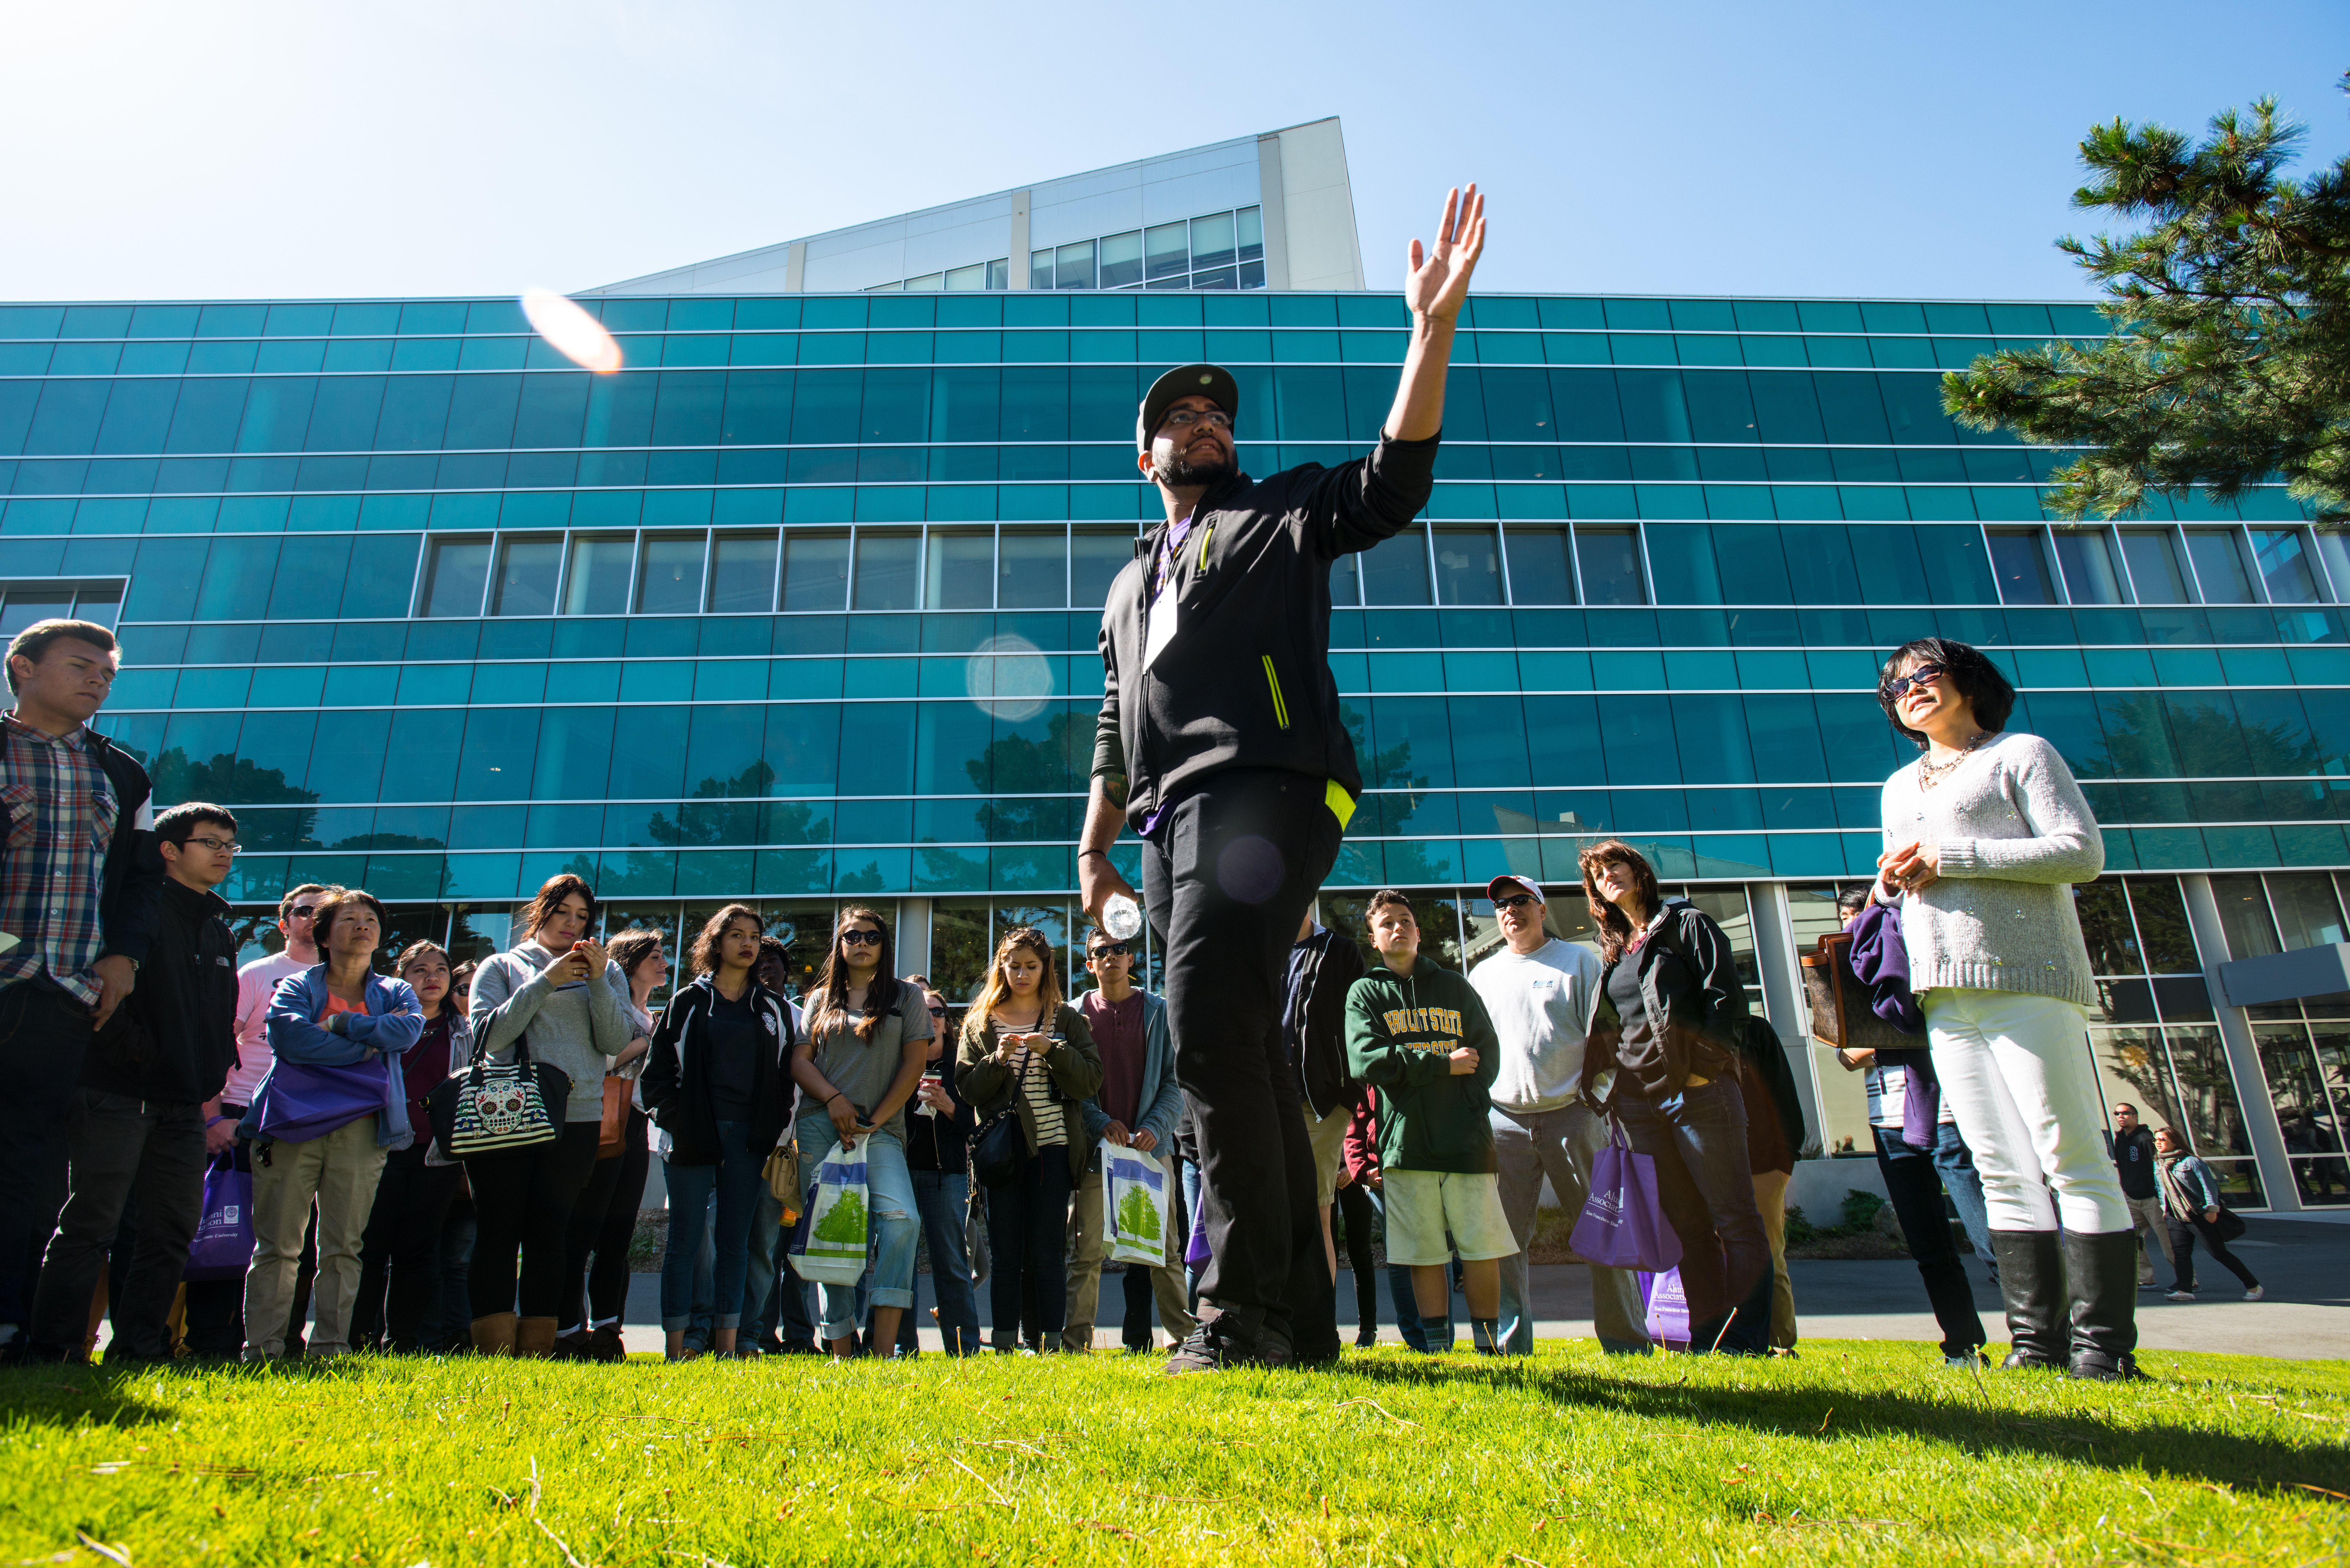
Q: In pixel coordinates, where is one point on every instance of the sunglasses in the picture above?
(938, 1012)
(1515, 901)
(302, 912)
(861, 939)
(1924, 675)
(1110, 950)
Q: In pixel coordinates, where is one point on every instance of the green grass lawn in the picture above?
(1855, 1451)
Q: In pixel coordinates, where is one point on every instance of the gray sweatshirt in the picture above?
(578, 1027)
(2014, 834)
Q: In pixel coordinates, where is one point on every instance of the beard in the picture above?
(1182, 473)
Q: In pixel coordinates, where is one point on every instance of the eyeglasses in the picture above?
(1924, 675)
(302, 912)
(219, 845)
(1515, 901)
(862, 939)
(1184, 419)
(1109, 949)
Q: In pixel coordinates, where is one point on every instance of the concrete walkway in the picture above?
(2305, 1265)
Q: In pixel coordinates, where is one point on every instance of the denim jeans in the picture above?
(1955, 1163)
(1560, 1143)
(735, 1180)
(895, 1228)
(764, 1260)
(943, 1197)
(1698, 1139)
(1917, 1197)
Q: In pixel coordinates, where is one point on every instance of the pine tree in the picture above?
(1137, 1216)
(842, 1224)
(2229, 363)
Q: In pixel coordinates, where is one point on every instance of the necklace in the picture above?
(1931, 774)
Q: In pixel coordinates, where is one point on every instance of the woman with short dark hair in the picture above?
(1671, 1013)
(399, 1264)
(558, 994)
(1985, 836)
(604, 1220)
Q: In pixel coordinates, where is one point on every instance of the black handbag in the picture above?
(491, 1107)
(999, 1148)
(2230, 1225)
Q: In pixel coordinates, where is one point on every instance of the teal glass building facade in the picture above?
(799, 606)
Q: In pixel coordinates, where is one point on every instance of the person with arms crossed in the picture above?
(81, 890)
(1219, 742)
(1540, 992)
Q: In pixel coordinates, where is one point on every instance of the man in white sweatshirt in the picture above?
(1541, 992)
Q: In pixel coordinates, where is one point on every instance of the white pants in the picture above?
(2017, 1074)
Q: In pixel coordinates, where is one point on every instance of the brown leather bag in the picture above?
(1841, 1016)
(614, 1130)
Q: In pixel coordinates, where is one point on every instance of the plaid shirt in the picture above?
(61, 816)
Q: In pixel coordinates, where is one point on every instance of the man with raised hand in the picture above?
(1540, 992)
(81, 890)
(1219, 742)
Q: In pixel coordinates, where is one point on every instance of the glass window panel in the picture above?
(100, 606)
(1094, 561)
(2218, 555)
(1346, 580)
(2153, 560)
(598, 580)
(1221, 278)
(816, 571)
(999, 273)
(962, 572)
(26, 606)
(2244, 916)
(2088, 563)
(668, 579)
(2206, 1092)
(1540, 571)
(1040, 269)
(973, 277)
(1250, 220)
(742, 574)
(1075, 268)
(1033, 567)
(2284, 566)
(888, 571)
(2305, 909)
(453, 581)
(1395, 571)
(526, 574)
(2103, 909)
(2162, 927)
(2333, 547)
(2309, 1119)
(2020, 562)
(1211, 241)
(1610, 558)
(1166, 251)
(1121, 260)
(929, 283)
(1468, 567)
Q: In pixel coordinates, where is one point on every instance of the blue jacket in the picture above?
(1162, 1101)
(2195, 1180)
(371, 1045)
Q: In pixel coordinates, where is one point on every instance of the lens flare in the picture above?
(577, 335)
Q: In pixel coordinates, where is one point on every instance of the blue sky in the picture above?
(460, 147)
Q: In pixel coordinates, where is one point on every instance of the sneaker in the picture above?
(1366, 1341)
(2179, 1296)
(605, 1346)
(1220, 1345)
(1972, 1360)
(2256, 1292)
(2147, 1285)
(575, 1345)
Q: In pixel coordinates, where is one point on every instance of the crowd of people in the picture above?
(1277, 1078)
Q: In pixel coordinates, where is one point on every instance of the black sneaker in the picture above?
(1223, 1344)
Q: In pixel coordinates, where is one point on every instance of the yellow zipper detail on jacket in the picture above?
(1280, 707)
(1211, 534)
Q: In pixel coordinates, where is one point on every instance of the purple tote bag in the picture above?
(224, 1240)
(299, 1102)
(1623, 1225)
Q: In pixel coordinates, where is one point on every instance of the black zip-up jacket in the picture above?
(2133, 1157)
(1317, 1049)
(173, 1039)
(1688, 977)
(1245, 680)
(941, 1142)
(676, 1082)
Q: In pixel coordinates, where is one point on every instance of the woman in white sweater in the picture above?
(1985, 835)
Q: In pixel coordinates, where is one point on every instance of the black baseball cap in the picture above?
(1213, 382)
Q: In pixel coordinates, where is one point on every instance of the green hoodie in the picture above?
(1400, 1031)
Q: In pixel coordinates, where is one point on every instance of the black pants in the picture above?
(212, 1323)
(2183, 1233)
(603, 1225)
(1228, 876)
(449, 1318)
(1915, 1187)
(402, 1246)
(521, 1203)
(122, 1148)
(1027, 1230)
(43, 1033)
(1355, 1207)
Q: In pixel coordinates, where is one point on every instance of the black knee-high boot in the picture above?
(2032, 1285)
(2102, 1271)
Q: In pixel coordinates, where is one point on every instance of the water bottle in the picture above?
(1121, 917)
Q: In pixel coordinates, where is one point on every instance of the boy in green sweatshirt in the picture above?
(1419, 1034)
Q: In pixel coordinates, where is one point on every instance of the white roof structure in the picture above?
(1273, 211)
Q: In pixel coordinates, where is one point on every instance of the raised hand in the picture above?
(1437, 285)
